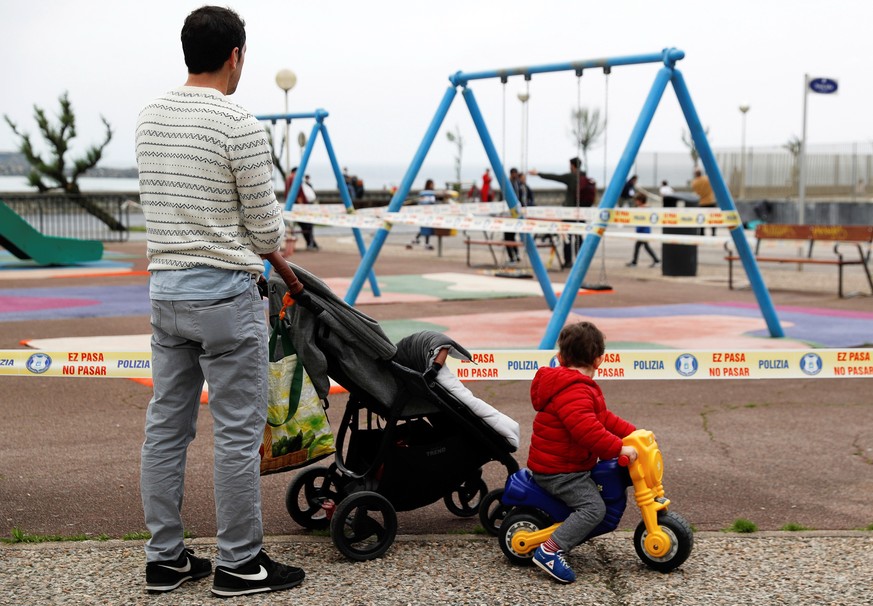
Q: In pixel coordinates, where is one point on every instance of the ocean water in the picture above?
(375, 177)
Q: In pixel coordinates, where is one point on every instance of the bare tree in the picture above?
(586, 128)
(688, 140)
(455, 137)
(794, 146)
(277, 161)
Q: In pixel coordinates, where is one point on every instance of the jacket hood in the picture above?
(552, 380)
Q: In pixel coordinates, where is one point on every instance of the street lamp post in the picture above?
(523, 97)
(744, 108)
(286, 79)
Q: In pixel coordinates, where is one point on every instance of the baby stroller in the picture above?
(404, 441)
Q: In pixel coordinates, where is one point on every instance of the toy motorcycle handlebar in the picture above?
(624, 460)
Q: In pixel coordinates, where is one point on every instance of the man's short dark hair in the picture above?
(575, 162)
(209, 36)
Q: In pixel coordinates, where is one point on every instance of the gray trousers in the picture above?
(224, 342)
(580, 493)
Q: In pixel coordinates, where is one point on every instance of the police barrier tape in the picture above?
(512, 365)
(690, 218)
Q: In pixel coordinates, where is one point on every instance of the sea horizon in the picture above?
(376, 177)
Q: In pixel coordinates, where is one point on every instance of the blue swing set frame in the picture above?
(320, 128)
(561, 307)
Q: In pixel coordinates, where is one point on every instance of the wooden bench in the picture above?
(507, 244)
(853, 237)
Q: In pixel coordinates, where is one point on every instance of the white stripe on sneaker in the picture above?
(258, 576)
(185, 568)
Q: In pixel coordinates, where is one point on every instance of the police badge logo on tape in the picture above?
(38, 363)
(686, 365)
(811, 364)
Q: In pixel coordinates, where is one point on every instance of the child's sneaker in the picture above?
(554, 564)
(256, 576)
(168, 575)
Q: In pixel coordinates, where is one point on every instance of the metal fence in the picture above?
(843, 171)
(104, 217)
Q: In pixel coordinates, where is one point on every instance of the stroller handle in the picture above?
(285, 272)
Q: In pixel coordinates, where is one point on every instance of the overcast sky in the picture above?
(380, 68)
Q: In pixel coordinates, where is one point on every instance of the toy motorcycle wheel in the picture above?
(681, 538)
(464, 501)
(519, 521)
(363, 526)
(492, 512)
(306, 495)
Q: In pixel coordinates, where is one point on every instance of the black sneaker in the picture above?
(256, 576)
(168, 575)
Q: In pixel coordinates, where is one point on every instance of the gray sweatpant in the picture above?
(224, 342)
(580, 493)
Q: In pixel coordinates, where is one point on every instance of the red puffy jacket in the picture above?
(572, 427)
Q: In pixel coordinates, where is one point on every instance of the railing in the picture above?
(844, 171)
(104, 217)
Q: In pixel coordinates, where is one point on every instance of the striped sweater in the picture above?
(205, 182)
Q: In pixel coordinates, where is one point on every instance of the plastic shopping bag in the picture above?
(297, 432)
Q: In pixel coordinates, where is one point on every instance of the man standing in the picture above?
(511, 250)
(571, 199)
(628, 192)
(485, 194)
(700, 185)
(211, 214)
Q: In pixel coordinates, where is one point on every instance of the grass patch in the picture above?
(794, 527)
(742, 525)
(20, 536)
(867, 527)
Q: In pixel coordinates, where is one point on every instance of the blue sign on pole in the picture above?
(823, 85)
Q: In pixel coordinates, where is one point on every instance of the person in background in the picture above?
(572, 429)
(511, 250)
(525, 193)
(700, 185)
(305, 195)
(426, 197)
(628, 191)
(640, 201)
(587, 190)
(473, 195)
(485, 193)
(571, 200)
(207, 235)
(665, 189)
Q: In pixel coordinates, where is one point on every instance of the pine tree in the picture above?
(52, 172)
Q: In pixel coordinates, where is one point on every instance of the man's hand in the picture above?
(285, 272)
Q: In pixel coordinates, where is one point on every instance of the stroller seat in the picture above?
(404, 441)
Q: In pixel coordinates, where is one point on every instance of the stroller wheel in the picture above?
(464, 500)
(492, 511)
(306, 495)
(363, 526)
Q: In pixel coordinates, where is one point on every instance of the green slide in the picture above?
(22, 240)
